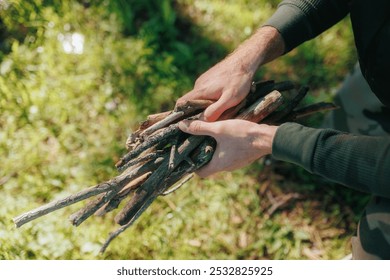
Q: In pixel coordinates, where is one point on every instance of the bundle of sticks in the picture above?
(161, 157)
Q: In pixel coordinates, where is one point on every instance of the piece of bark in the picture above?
(263, 107)
(287, 108)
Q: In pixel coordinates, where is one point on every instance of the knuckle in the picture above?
(235, 96)
(196, 126)
(217, 129)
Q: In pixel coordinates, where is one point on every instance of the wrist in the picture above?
(264, 138)
(263, 46)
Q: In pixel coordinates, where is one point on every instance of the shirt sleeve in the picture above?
(359, 162)
(301, 20)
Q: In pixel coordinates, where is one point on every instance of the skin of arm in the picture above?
(239, 142)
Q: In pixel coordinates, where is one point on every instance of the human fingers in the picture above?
(199, 94)
(215, 110)
(197, 127)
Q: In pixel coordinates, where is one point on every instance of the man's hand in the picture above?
(239, 142)
(229, 81)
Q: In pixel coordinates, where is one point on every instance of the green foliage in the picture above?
(76, 78)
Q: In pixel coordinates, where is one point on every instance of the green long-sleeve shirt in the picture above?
(360, 162)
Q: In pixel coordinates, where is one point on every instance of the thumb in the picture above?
(197, 127)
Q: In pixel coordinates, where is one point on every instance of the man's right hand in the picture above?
(227, 83)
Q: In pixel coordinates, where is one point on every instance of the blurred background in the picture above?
(76, 77)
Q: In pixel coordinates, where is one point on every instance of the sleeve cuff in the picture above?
(290, 22)
(296, 144)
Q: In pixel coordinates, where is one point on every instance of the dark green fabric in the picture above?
(360, 162)
(301, 20)
(371, 26)
(373, 235)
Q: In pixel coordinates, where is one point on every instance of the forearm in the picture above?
(265, 45)
(360, 162)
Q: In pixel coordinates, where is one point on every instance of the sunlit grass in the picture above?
(67, 106)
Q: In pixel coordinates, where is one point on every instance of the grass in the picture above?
(64, 117)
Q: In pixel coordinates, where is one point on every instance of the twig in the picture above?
(152, 119)
(114, 234)
(82, 195)
(81, 215)
(138, 160)
(152, 140)
(314, 108)
(187, 109)
(178, 186)
(290, 105)
(153, 183)
(263, 107)
(205, 153)
(125, 192)
(174, 116)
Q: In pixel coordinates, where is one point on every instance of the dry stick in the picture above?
(200, 157)
(288, 108)
(156, 178)
(311, 109)
(142, 194)
(134, 138)
(206, 152)
(161, 124)
(187, 109)
(138, 160)
(172, 157)
(263, 107)
(114, 234)
(193, 106)
(307, 111)
(82, 195)
(264, 88)
(93, 206)
(125, 192)
(152, 119)
(179, 185)
(259, 84)
(152, 140)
